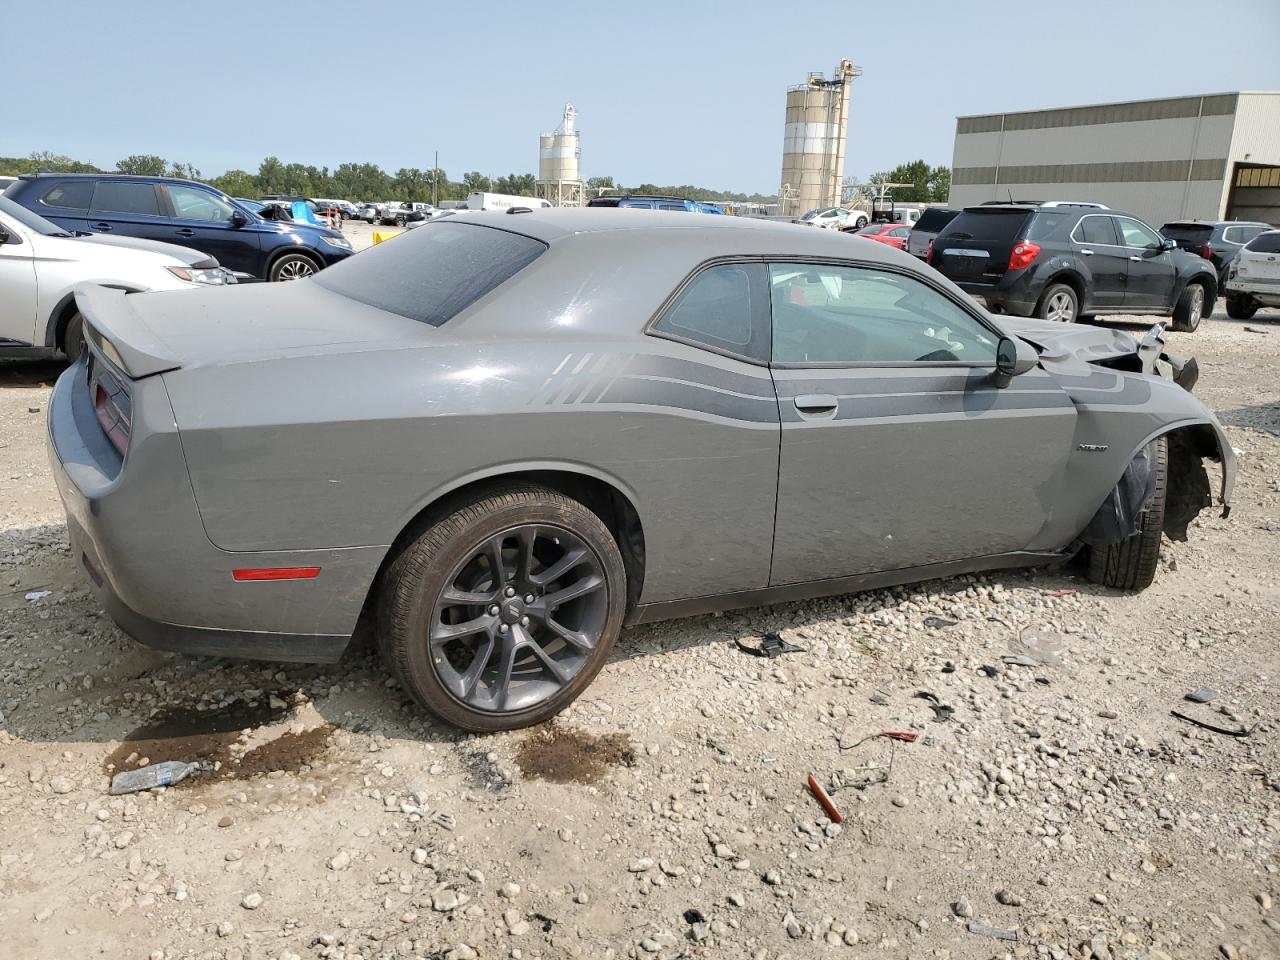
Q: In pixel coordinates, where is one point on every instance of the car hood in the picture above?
(1060, 340)
(164, 330)
(188, 256)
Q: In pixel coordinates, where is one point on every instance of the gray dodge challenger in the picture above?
(505, 436)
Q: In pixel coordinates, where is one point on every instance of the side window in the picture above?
(1234, 235)
(74, 195)
(191, 203)
(1099, 230)
(1135, 234)
(671, 206)
(112, 196)
(899, 232)
(852, 315)
(725, 307)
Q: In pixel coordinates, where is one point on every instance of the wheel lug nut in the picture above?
(502, 628)
(528, 598)
(510, 591)
(524, 621)
(493, 611)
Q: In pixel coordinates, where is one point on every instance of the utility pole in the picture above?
(435, 175)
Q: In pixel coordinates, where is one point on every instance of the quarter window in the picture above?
(853, 315)
(74, 196)
(1135, 234)
(111, 196)
(724, 308)
(191, 203)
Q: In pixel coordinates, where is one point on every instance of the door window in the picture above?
(112, 196)
(899, 232)
(853, 315)
(1135, 234)
(725, 308)
(1098, 230)
(74, 196)
(191, 203)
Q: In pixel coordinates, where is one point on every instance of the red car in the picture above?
(893, 234)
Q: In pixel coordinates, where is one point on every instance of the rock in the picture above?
(122, 840)
(772, 877)
(226, 928)
(723, 851)
(735, 899)
(419, 856)
(225, 821)
(1202, 695)
(1228, 951)
(962, 908)
(1008, 898)
(1264, 902)
(462, 951)
(340, 861)
(61, 785)
(640, 866)
(850, 936)
(232, 856)
(444, 901)
(792, 926)
(1099, 898)
(581, 897)
(475, 876)
(900, 801)
(517, 925)
(251, 901)
(700, 931)
(510, 890)
(650, 945)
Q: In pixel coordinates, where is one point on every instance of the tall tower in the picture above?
(559, 181)
(813, 141)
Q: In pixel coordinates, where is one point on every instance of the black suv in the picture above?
(1065, 261)
(1218, 241)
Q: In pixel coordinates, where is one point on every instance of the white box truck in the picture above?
(502, 201)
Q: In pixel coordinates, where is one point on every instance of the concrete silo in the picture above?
(813, 141)
(559, 181)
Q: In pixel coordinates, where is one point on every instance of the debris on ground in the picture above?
(164, 774)
(982, 930)
(939, 623)
(770, 646)
(1214, 728)
(823, 799)
(942, 712)
(38, 594)
(1202, 695)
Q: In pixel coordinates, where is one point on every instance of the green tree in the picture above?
(237, 183)
(940, 184)
(411, 184)
(143, 165)
(186, 171)
(476, 182)
(596, 184)
(927, 184)
(517, 184)
(43, 160)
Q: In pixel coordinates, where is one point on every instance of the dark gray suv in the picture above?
(1067, 261)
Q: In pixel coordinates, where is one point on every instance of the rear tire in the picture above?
(1190, 308)
(445, 579)
(1059, 304)
(1241, 307)
(73, 338)
(1131, 563)
(293, 266)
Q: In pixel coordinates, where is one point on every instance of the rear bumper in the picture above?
(1264, 293)
(136, 534)
(998, 299)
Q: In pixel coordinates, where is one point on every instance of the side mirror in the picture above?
(1168, 244)
(238, 219)
(1013, 358)
(5, 236)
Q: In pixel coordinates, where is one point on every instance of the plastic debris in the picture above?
(938, 623)
(164, 774)
(1021, 661)
(824, 800)
(982, 930)
(38, 594)
(1068, 592)
(990, 671)
(1225, 731)
(1044, 645)
(445, 820)
(901, 736)
(1203, 695)
(880, 698)
(771, 645)
(942, 712)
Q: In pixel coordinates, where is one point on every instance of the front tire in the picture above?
(500, 613)
(73, 338)
(293, 266)
(1058, 304)
(1189, 309)
(1131, 563)
(1241, 307)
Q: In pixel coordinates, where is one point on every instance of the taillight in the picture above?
(928, 253)
(114, 410)
(1023, 255)
(1206, 251)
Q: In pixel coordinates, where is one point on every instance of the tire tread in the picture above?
(1131, 563)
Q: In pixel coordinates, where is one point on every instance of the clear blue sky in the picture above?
(666, 92)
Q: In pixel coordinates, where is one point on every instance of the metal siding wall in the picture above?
(1257, 129)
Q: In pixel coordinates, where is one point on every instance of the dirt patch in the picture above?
(289, 752)
(560, 755)
(482, 772)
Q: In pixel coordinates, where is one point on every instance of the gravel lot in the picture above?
(666, 813)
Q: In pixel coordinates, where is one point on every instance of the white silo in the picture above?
(813, 141)
(559, 181)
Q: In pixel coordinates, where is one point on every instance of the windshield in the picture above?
(433, 273)
(30, 220)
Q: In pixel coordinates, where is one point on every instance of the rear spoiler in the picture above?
(114, 327)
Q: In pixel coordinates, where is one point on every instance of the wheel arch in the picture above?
(1207, 280)
(276, 254)
(1190, 443)
(1072, 278)
(606, 496)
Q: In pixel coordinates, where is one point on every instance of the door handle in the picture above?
(1136, 259)
(1086, 253)
(816, 403)
(186, 232)
(104, 227)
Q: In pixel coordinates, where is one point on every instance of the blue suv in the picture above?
(183, 212)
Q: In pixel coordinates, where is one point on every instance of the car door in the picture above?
(1150, 279)
(204, 221)
(898, 449)
(17, 285)
(129, 208)
(1097, 242)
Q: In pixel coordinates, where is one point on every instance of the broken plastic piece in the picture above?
(982, 930)
(1225, 731)
(938, 623)
(942, 712)
(772, 645)
(164, 774)
(1203, 695)
(825, 801)
(901, 735)
(1068, 592)
(38, 594)
(445, 820)
(1021, 661)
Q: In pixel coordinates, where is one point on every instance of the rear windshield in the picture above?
(931, 221)
(1191, 232)
(435, 272)
(1265, 243)
(988, 225)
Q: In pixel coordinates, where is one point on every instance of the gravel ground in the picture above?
(666, 813)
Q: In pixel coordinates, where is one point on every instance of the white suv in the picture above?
(41, 265)
(1253, 278)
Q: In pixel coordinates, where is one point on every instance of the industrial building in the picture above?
(813, 141)
(1208, 157)
(559, 181)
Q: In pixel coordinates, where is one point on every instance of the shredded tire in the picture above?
(1131, 563)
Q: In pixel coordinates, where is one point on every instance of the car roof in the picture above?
(1217, 223)
(49, 174)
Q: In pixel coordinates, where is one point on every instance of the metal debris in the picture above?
(1203, 695)
(825, 801)
(982, 930)
(771, 645)
(1225, 731)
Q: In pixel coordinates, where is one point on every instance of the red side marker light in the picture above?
(276, 573)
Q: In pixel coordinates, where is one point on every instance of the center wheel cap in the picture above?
(512, 611)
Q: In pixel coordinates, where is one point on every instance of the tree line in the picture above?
(368, 181)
